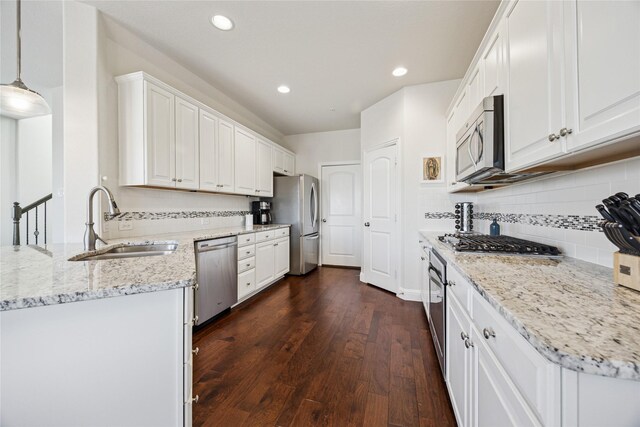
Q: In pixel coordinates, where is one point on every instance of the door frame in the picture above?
(320, 166)
(399, 204)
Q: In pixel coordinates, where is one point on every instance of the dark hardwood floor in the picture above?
(323, 349)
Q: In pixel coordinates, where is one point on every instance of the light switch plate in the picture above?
(125, 225)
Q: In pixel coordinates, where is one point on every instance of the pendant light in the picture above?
(16, 99)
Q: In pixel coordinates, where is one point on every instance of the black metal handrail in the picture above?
(19, 211)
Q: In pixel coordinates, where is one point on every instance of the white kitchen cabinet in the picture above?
(246, 283)
(278, 160)
(475, 87)
(216, 153)
(281, 256)
(493, 66)
(534, 105)
(264, 170)
(458, 362)
(289, 164)
(603, 63)
(187, 145)
(424, 281)
(265, 263)
(160, 145)
(245, 162)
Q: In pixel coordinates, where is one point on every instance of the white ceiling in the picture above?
(41, 43)
(335, 55)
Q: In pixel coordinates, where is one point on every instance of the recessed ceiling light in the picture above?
(283, 89)
(399, 72)
(221, 22)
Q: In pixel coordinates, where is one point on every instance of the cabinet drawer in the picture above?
(265, 235)
(246, 239)
(532, 374)
(246, 251)
(459, 287)
(281, 232)
(246, 264)
(246, 283)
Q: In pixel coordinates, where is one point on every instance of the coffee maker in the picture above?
(261, 212)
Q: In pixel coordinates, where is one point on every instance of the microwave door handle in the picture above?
(475, 165)
(480, 144)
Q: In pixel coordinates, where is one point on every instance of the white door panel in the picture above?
(380, 234)
(225, 152)
(161, 138)
(187, 145)
(341, 215)
(208, 151)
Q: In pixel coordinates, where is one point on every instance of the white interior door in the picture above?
(380, 204)
(341, 236)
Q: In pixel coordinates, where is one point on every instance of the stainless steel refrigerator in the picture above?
(295, 201)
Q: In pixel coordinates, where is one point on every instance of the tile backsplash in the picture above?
(558, 210)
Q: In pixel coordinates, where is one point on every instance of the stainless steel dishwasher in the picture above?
(217, 276)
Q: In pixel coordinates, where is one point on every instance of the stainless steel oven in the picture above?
(437, 307)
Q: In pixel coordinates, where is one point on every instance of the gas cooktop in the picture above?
(481, 243)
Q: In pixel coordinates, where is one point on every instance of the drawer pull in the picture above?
(195, 399)
(468, 343)
(195, 351)
(195, 319)
(248, 283)
(248, 265)
(248, 252)
(464, 336)
(275, 244)
(451, 283)
(488, 333)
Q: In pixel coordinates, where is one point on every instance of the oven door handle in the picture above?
(437, 273)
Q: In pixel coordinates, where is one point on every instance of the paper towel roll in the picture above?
(248, 222)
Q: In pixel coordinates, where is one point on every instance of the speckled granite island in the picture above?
(576, 319)
(103, 342)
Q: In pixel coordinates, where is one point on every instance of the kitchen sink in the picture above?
(129, 251)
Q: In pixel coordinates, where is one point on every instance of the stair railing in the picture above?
(19, 212)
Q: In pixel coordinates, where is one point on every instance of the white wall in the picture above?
(34, 158)
(314, 148)
(416, 115)
(574, 193)
(8, 172)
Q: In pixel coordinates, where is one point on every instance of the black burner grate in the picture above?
(497, 244)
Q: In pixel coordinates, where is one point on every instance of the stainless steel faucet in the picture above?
(90, 235)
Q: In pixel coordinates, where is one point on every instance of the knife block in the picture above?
(626, 270)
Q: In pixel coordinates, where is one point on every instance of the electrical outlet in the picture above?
(125, 225)
(105, 227)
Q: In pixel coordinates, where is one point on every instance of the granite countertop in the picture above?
(33, 276)
(569, 310)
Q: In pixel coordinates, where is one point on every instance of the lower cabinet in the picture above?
(482, 393)
(263, 257)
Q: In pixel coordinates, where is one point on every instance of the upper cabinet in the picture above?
(571, 83)
(245, 161)
(169, 140)
(284, 162)
(603, 65)
(534, 61)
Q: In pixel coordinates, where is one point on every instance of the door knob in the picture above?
(366, 224)
(324, 220)
(565, 131)
(553, 137)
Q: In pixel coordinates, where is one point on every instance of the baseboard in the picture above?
(362, 277)
(409, 294)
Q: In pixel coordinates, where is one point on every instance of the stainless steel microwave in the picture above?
(480, 143)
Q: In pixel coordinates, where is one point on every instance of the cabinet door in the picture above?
(282, 257)
(495, 400)
(424, 283)
(475, 87)
(225, 153)
(289, 164)
(208, 151)
(493, 65)
(160, 136)
(278, 160)
(534, 107)
(458, 361)
(264, 170)
(604, 64)
(265, 263)
(187, 145)
(245, 163)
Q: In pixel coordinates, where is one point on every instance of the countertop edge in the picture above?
(578, 363)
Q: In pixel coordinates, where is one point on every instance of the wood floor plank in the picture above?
(323, 349)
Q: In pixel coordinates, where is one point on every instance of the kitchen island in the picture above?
(563, 333)
(98, 343)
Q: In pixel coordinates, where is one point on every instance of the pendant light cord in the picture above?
(18, 38)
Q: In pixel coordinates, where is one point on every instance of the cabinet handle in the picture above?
(468, 343)
(286, 170)
(195, 351)
(248, 265)
(488, 333)
(553, 137)
(195, 319)
(195, 399)
(275, 244)
(451, 283)
(180, 180)
(248, 252)
(565, 132)
(366, 224)
(196, 287)
(257, 191)
(248, 283)
(422, 258)
(173, 179)
(464, 336)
